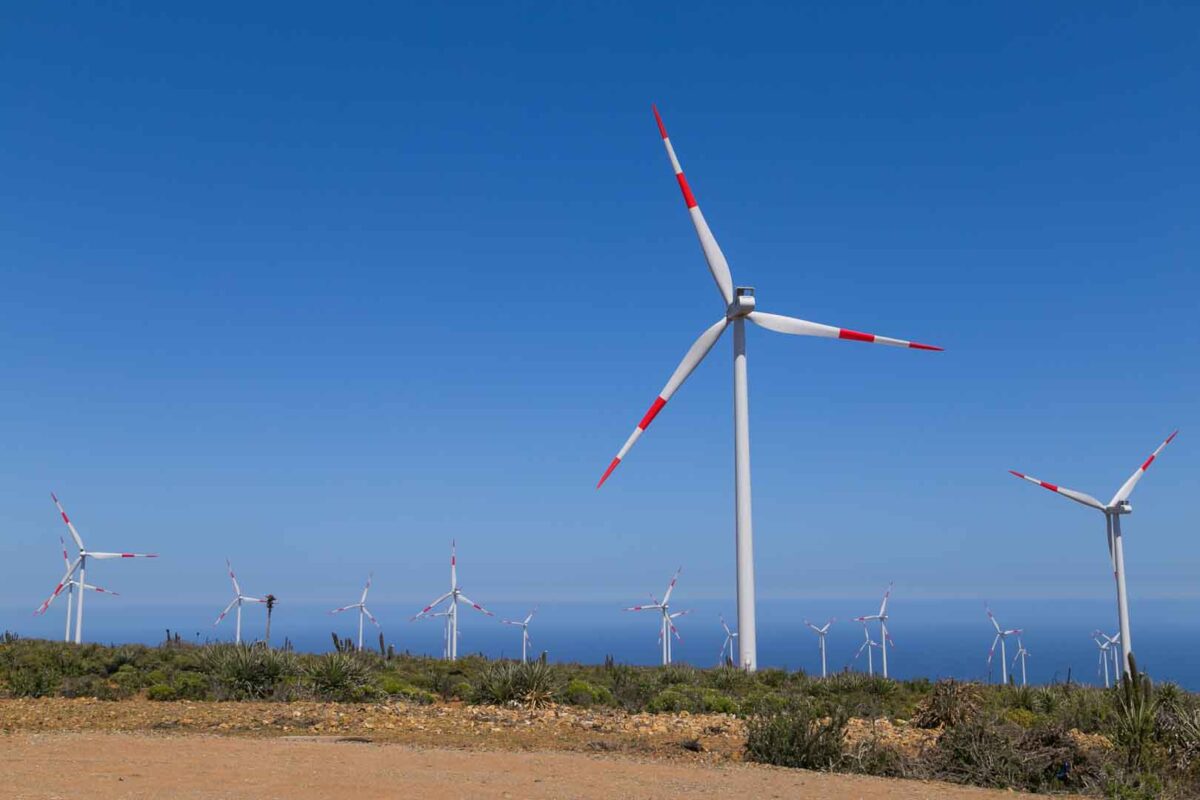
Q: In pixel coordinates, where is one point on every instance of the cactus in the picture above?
(1137, 712)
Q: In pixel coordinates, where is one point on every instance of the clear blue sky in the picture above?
(320, 289)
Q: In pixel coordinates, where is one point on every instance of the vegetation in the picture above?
(1137, 740)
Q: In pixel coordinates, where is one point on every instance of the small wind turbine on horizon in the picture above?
(1107, 647)
(1113, 511)
(884, 636)
(361, 605)
(76, 571)
(867, 645)
(726, 657)
(1021, 655)
(525, 639)
(739, 306)
(71, 585)
(236, 602)
(666, 623)
(821, 632)
(454, 596)
(1001, 635)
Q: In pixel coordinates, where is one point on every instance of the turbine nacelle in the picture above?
(1123, 507)
(743, 302)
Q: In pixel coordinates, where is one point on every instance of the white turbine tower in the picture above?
(1117, 507)
(884, 637)
(666, 622)
(726, 656)
(238, 599)
(454, 596)
(1021, 655)
(361, 605)
(525, 640)
(70, 586)
(1001, 635)
(867, 645)
(75, 575)
(821, 632)
(739, 306)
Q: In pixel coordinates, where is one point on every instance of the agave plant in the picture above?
(1137, 712)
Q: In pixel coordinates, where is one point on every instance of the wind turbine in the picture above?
(739, 306)
(455, 596)
(726, 656)
(867, 645)
(1107, 644)
(238, 599)
(884, 636)
(1001, 635)
(525, 640)
(361, 605)
(820, 632)
(1117, 507)
(1021, 654)
(76, 570)
(70, 585)
(666, 624)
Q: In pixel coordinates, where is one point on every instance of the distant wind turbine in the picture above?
(1001, 635)
(884, 637)
(1021, 655)
(726, 656)
(236, 602)
(1117, 507)
(71, 585)
(454, 596)
(75, 575)
(363, 612)
(525, 640)
(667, 620)
(867, 645)
(821, 632)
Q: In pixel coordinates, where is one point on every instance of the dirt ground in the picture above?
(108, 766)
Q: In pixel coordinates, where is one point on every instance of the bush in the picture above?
(509, 682)
(796, 737)
(249, 672)
(581, 693)
(339, 676)
(948, 703)
(394, 687)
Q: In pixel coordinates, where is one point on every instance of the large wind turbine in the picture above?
(71, 584)
(455, 596)
(739, 306)
(361, 605)
(238, 599)
(75, 575)
(1001, 635)
(1116, 507)
(821, 632)
(666, 625)
(525, 640)
(885, 638)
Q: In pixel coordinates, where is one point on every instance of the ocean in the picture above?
(933, 638)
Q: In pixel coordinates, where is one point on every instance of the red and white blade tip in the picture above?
(859, 336)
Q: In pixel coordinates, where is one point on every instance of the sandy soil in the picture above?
(99, 766)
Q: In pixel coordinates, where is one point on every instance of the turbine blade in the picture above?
(691, 360)
(101, 590)
(122, 555)
(1127, 489)
(802, 327)
(992, 617)
(57, 589)
(886, 595)
(475, 605)
(671, 586)
(66, 558)
(717, 264)
(236, 589)
(67, 520)
(345, 608)
(371, 617)
(1078, 497)
(992, 652)
(425, 611)
(366, 589)
(228, 608)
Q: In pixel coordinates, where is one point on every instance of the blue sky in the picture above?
(319, 292)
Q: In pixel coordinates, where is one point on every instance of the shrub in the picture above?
(508, 682)
(670, 700)
(1136, 717)
(339, 676)
(581, 693)
(249, 672)
(950, 702)
(394, 687)
(796, 737)
(160, 691)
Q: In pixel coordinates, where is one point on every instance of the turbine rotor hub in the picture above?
(743, 302)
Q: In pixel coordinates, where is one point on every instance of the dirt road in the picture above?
(108, 766)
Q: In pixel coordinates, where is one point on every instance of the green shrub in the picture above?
(160, 691)
(249, 672)
(393, 686)
(671, 700)
(339, 676)
(581, 693)
(796, 737)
